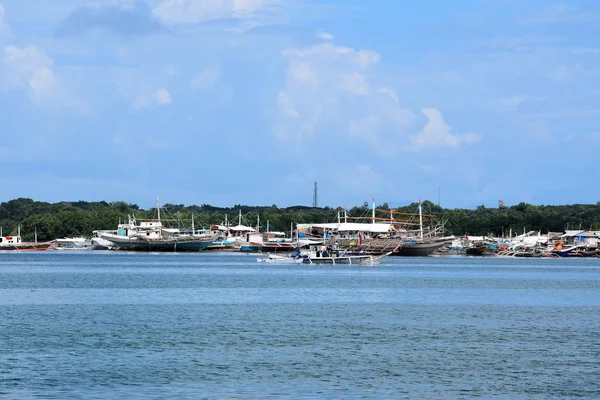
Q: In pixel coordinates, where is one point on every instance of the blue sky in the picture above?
(250, 101)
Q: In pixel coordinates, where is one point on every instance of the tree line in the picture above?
(80, 218)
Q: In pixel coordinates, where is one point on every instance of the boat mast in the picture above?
(240, 218)
(420, 221)
(158, 207)
(345, 215)
(193, 230)
(373, 212)
(35, 234)
(257, 223)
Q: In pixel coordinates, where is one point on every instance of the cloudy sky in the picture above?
(229, 102)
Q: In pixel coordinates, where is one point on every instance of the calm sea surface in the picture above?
(109, 325)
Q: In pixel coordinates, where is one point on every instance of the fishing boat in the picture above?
(223, 240)
(477, 249)
(76, 243)
(324, 255)
(423, 242)
(151, 235)
(401, 233)
(277, 247)
(279, 259)
(15, 243)
(414, 248)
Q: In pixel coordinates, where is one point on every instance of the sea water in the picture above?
(111, 325)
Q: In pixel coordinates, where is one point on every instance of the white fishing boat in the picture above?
(74, 243)
(276, 258)
(151, 235)
(323, 255)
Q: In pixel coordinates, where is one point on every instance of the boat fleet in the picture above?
(348, 240)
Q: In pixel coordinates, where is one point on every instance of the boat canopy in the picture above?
(307, 242)
(351, 227)
(242, 228)
(274, 233)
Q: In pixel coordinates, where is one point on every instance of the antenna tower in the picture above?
(315, 203)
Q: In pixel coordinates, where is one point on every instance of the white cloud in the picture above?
(248, 7)
(44, 84)
(363, 58)
(27, 59)
(302, 73)
(391, 93)
(436, 133)
(162, 97)
(33, 68)
(325, 35)
(197, 11)
(331, 95)
(559, 74)
(148, 99)
(4, 29)
(511, 103)
(366, 128)
(206, 79)
(285, 104)
(355, 83)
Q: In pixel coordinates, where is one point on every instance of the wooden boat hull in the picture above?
(250, 248)
(273, 258)
(161, 245)
(277, 247)
(370, 246)
(417, 249)
(476, 251)
(343, 260)
(26, 247)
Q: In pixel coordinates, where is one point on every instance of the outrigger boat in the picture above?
(323, 255)
(151, 235)
(276, 258)
(15, 243)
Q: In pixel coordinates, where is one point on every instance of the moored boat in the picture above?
(324, 255)
(277, 247)
(76, 243)
(276, 258)
(15, 243)
(419, 248)
(151, 235)
(478, 249)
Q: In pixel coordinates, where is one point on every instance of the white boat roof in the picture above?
(352, 226)
(242, 228)
(573, 233)
(70, 240)
(308, 242)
